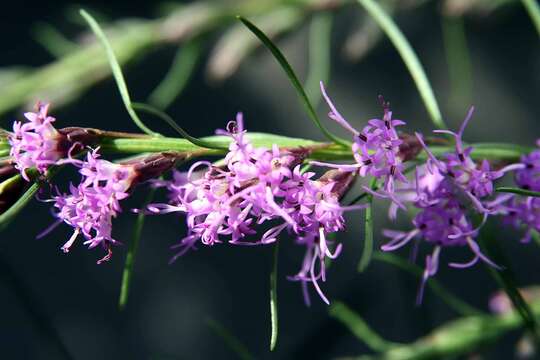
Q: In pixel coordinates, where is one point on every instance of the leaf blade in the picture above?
(280, 58)
(409, 57)
(116, 71)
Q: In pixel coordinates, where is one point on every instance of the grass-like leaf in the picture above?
(506, 279)
(230, 340)
(533, 8)
(320, 32)
(359, 327)
(368, 231)
(117, 72)
(178, 76)
(443, 293)
(273, 300)
(9, 215)
(170, 121)
(132, 252)
(518, 191)
(280, 58)
(409, 57)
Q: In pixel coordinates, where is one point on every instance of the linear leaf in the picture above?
(280, 58)
(170, 121)
(518, 191)
(459, 306)
(132, 252)
(368, 231)
(117, 72)
(359, 327)
(506, 279)
(320, 32)
(273, 300)
(533, 8)
(178, 76)
(230, 340)
(409, 58)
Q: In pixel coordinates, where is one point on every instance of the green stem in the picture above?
(230, 340)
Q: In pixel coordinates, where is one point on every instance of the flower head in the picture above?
(376, 148)
(256, 186)
(90, 206)
(36, 143)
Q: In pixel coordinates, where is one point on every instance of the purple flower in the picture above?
(90, 207)
(36, 143)
(528, 175)
(376, 148)
(253, 187)
(444, 189)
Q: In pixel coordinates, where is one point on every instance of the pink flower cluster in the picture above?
(256, 186)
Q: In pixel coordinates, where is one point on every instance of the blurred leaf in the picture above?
(518, 191)
(506, 279)
(294, 81)
(117, 72)
(458, 60)
(178, 76)
(368, 230)
(273, 299)
(11, 74)
(359, 327)
(458, 305)
(237, 44)
(409, 58)
(320, 34)
(533, 8)
(230, 340)
(53, 40)
(170, 121)
(132, 252)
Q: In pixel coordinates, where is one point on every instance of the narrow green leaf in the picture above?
(280, 58)
(117, 72)
(458, 305)
(170, 121)
(178, 76)
(368, 230)
(132, 252)
(506, 279)
(409, 58)
(359, 327)
(320, 32)
(273, 299)
(458, 60)
(518, 191)
(230, 340)
(7, 217)
(533, 8)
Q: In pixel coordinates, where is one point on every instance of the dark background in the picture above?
(169, 305)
